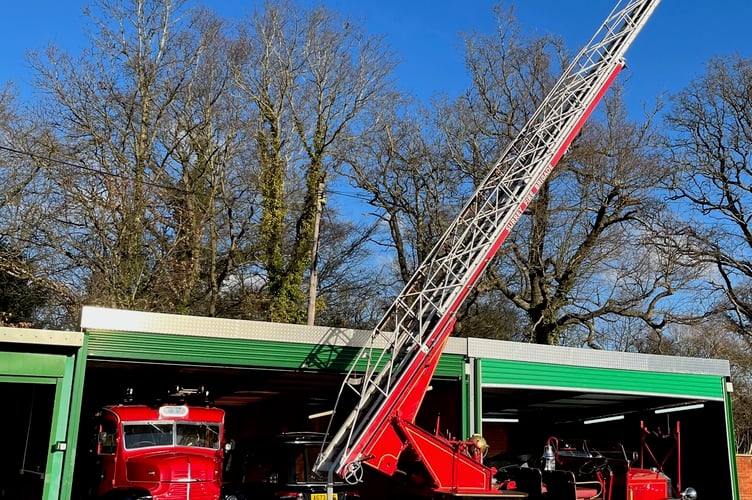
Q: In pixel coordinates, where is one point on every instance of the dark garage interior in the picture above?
(541, 414)
(266, 402)
(27, 438)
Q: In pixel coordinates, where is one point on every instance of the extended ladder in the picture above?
(392, 372)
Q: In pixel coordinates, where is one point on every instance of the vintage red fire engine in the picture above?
(169, 451)
(574, 469)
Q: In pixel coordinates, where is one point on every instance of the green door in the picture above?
(37, 400)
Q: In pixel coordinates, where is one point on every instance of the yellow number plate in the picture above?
(322, 496)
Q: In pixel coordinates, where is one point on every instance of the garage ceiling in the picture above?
(313, 392)
(227, 386)
(567, 406)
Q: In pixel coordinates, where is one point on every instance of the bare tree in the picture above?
(23, 292)
(511, 72)
(585, 252)
(23, 198)
(711, 156)
(212, 209)
(351, 289)
(311, 77)
(175, 168)
(400, 167)
(135, 163)
(589, 250)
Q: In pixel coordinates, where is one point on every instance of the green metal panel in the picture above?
(215, 351)
(478, 400)
(235, 352)
(517, 373)
(451, 365)
(464, 403)
(28, 364)
(732, 447)
(26, 379)
(74, 418)
(59, 434)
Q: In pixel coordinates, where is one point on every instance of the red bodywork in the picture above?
(646, 484)
(168, 452)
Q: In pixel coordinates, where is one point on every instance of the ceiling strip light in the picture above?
(502, 420)
(680, 408)
(604, 419)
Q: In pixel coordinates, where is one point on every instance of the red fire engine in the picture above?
(159, 452)
(573, 469)
(394, 369)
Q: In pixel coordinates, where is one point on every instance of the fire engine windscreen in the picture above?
(147, 434)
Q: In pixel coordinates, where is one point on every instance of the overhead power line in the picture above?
(92, 170)
(87, 169)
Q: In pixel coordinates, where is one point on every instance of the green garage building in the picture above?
(275, 377)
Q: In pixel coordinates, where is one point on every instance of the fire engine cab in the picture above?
(159, 452)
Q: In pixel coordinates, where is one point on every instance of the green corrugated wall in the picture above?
(235, 352)
(541, 375)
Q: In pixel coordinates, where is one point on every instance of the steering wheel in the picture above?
(354, 473)
(145, 443)
(597, 464)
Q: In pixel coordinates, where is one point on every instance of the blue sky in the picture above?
(671, 50)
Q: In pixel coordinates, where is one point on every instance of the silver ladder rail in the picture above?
(416, 322)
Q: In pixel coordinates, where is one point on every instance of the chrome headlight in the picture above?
(689, 494)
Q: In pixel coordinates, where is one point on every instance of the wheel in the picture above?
(595, 465)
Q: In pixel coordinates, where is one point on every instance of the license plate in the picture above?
(322, 496)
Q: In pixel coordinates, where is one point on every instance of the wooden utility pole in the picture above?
(314, 281)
